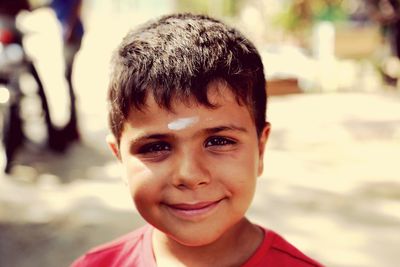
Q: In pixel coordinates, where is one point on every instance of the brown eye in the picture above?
(218, 141)
(154, 148)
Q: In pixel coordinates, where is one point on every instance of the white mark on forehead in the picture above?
(182, 123)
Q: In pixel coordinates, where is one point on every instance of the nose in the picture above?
(191, 171)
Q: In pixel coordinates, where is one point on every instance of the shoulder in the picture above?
(276, 251)
(285, 251)
(113, 252)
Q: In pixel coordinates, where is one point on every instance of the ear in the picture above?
(262, 141)
(113, 145)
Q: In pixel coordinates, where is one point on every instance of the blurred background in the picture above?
(331, 183)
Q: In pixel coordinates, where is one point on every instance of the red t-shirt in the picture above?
(135, 250)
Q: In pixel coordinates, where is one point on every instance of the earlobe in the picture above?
(113, 145)
(261, 146)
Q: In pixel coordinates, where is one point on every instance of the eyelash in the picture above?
(221, 141)
(163, 147)
(156, 147)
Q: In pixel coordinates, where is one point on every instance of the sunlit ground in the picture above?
(330, 186)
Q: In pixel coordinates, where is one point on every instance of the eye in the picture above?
(155, 148)
(219, 142)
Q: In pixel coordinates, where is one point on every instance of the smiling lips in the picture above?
(193, 211)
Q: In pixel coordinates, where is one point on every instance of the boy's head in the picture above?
(188, 100)
(175, 58)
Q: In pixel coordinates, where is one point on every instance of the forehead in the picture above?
(227, 109)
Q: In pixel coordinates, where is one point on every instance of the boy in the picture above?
(187, 112)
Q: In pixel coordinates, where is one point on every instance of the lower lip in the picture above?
(194, 214)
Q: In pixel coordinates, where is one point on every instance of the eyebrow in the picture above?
(147, 137)
(231, 127)
(162, 136)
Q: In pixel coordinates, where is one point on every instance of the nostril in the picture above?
(191, 183)
(181, 186)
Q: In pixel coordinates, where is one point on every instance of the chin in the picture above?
(194, 241)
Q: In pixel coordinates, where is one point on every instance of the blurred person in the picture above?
(13, 7)
(68, 13)
(12, 133)
(188, 119)
(387, 14)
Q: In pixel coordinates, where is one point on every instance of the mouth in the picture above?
(193, 211)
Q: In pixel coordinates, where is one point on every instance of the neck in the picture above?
(233, 248)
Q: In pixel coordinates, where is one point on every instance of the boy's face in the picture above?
(192, 173)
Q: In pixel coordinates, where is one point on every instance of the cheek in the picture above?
(142, 183)
(239, 173)
(244, 162)
(134, 170)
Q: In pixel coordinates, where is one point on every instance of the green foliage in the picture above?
(299, 15)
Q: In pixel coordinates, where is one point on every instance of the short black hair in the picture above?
(176, 57)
